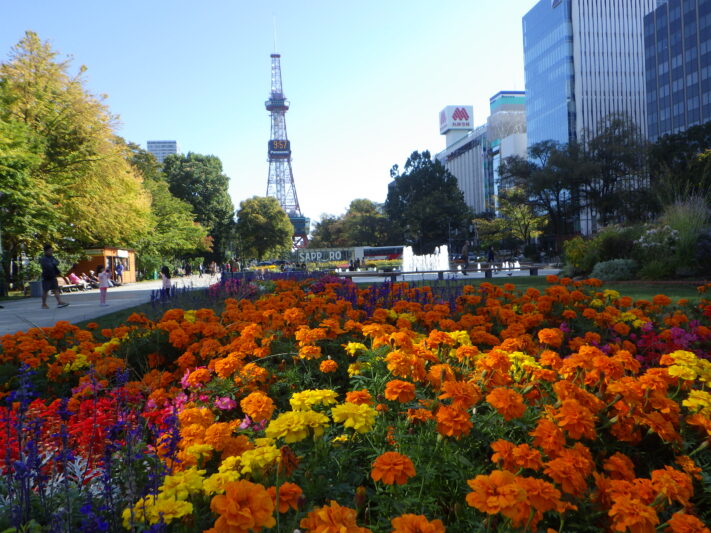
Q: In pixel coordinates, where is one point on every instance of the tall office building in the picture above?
(584, 60)
(162, 149)
(677, 46)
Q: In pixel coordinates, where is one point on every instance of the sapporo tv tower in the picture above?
(280, 184)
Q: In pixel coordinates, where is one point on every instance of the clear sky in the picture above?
(366, 80)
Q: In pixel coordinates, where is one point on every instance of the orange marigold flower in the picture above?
(359, 397)
(289, 495)
(401, 391)
(463, 394)
(630, 513)
(416, 523)
(329, 365)
(332, 518)
(661, 299)
(685, 523)
(619, 466)
(576, 420)
(543, 496)
(551, 336)
(673, 484)
(419, 415)
(507, 402)
(392, 467)
(453, 422)
(499, 492)
(257, 406)
(310, 352)
(243, 507)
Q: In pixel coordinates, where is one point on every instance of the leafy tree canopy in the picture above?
(198, 180)
(64, 174)
(424, 204)
(364, 224)
(263, 227)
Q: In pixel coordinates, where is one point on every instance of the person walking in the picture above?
(119, 272)
(50, 271)
(490, 255)
(104, 283)
(165, 276)
(465, 257)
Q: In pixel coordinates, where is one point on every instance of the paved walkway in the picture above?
(27, 313)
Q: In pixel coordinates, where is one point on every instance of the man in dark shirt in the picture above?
(50, 271)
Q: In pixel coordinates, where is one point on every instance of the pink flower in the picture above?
(225, 403)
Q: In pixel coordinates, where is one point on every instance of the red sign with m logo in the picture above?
(460, 114)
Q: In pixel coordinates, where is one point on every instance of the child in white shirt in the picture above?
(104, 283)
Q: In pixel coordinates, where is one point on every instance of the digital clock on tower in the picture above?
(279, 147)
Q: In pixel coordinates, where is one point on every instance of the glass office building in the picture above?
(677, 46)
(584, 61)
(548, 58)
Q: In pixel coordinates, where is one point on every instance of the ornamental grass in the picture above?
(320, 406)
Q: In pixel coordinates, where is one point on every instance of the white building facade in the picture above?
(473, 154)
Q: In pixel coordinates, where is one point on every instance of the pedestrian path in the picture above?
(27, 313)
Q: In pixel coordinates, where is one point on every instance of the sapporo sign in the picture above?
(323, 255)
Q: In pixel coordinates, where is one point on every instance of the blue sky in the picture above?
(366, 80)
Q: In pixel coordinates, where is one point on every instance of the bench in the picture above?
(65, 286)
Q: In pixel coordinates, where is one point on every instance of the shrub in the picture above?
(615, 270)
(580, 254)
(688, 218)
(657, 269)
(616, 242)
(703, 251)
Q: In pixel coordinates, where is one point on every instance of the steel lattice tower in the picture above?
(280, 183)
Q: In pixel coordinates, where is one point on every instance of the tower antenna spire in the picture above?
(280, 182)
(274, 31)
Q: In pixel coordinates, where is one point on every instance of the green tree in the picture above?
(329, 232)
(614, 187)
(679, 164)
(198, 180)
(551, 179)
(365, 224)
(520, 222)
(174, 233)
(264, 229)
(60, 154)
(424, 204)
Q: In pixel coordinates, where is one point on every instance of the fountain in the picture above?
(439, 260)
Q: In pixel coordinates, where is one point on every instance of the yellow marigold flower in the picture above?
(215, 484)
(182, 484)
(353, 347)
(359, 417)
(699, 402)
(170, 509)
(189, 316)
(150, 510)
(258, 458)
(355, 369)
(612, 295)
(596, 303)
(199, 451)
(341, 439)
(293, 426)
(230, 464)
(461, 337)
(305, 400)
(683, 372)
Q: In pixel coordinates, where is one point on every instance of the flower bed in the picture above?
(329, 408)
